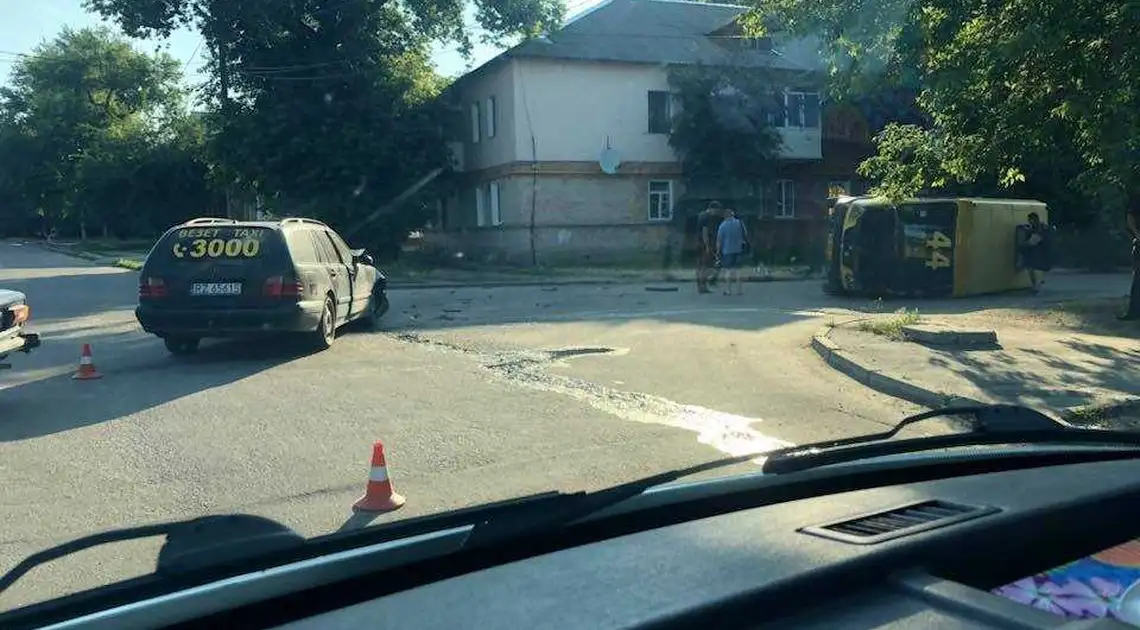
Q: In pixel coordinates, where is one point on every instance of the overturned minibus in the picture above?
(937, 247)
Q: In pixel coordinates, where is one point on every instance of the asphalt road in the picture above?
(479, 394)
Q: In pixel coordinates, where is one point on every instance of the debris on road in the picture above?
(726, 432)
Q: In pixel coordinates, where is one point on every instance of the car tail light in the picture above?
(280, 286)
(20, 314)
(152, 288)
(14, 316)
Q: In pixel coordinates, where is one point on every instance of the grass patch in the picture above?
(892, 325)
(1086, 416)
(129, 263)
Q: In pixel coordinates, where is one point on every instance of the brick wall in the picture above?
(583, 216)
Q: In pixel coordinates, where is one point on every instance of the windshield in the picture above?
(341, 265)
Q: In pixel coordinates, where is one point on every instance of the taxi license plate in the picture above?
(215, 288)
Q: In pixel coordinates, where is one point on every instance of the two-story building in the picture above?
(565, 154)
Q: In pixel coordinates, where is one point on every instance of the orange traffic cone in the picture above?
(379, 495)
(86, 371)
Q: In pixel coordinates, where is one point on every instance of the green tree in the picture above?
(1009, 86)
(722, 131)
(81, 107)
(327, 107)
(336, 139)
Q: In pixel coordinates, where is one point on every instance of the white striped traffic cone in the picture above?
(86, 371)
(379, 495)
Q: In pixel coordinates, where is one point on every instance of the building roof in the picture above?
(660, 32)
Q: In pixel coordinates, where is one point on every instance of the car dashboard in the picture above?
(928, 554)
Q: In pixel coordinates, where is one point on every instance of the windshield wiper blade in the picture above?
(190, 544)
(564, 509)
(992, 424)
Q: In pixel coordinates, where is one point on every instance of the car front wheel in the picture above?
(377, 307)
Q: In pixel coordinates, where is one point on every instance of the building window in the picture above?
(660, 111)
(785, 198)
(492, 112)
(838, 188)
(480, 206)
(475, 122)
(660, 200)
(488, 209)
(493, 198)
(777, 109)
(756, 190)
(758, 43)
(802, 109)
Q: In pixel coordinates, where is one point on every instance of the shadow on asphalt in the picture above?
(1051, 377)
(763, 305)
(75, 292)
(15, 256)
(441, 309)
(1060, 288)
(138, 374)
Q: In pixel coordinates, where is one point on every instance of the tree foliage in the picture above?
(327, 107)
(1009, 87)
(84, 122)
(721, 130)
(330, 120)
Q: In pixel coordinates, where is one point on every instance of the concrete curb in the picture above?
(67, 251)
(934, 335)
(842, 362)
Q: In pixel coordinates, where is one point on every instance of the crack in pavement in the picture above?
(726, 432)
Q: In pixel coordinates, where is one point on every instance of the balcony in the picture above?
(801, 143)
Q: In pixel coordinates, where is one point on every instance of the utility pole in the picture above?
(219, 28)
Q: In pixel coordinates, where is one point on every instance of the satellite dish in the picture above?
(609, 161)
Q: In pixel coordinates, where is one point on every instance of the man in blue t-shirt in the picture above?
(731, 239)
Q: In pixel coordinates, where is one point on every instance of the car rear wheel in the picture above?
(325, 334)
(182, 346)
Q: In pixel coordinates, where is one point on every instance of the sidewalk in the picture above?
(545, 276)
(446, 278)
(1073, 360)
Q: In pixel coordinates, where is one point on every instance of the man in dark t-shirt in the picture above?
(1033, 251)
(1132, 221)
(707, 223)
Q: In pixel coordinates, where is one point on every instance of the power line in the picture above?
(192, 55)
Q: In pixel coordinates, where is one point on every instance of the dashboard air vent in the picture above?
(898, 522)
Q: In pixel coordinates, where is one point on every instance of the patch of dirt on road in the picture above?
(728, 433)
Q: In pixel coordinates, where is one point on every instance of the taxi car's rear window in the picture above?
(195, 244)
